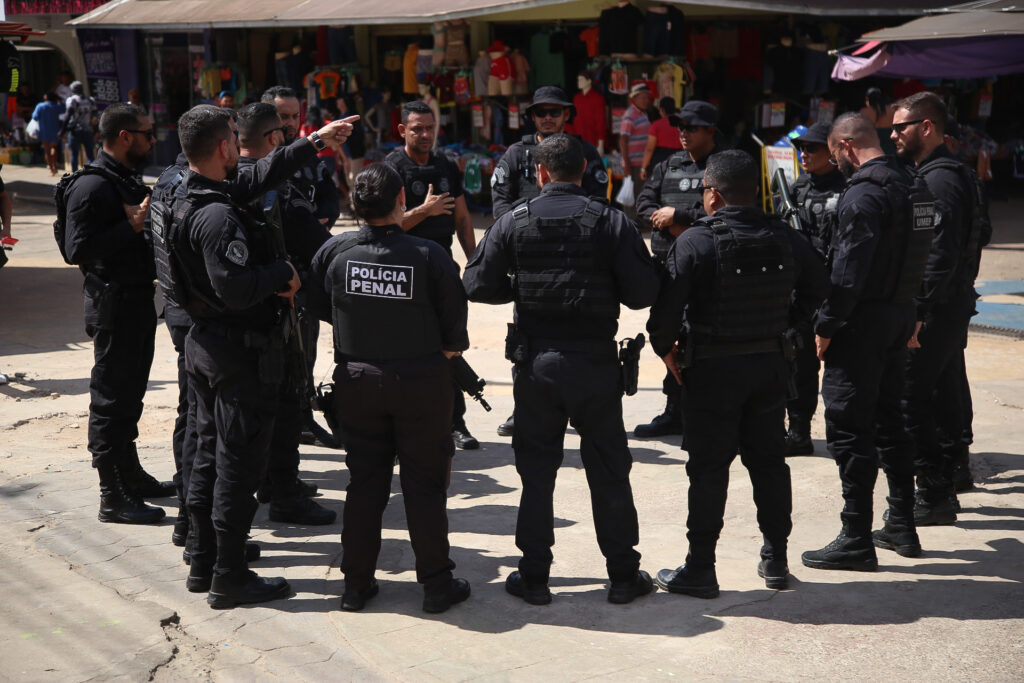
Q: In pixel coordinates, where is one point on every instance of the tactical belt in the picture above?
(250, 339)
(724, 349)
(607, 346)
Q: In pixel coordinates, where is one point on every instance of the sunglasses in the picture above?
(811, 148)
(548, 112)
(149, 132)
(898, 128)
(689, 127)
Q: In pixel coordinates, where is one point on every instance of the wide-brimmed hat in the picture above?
(550, 94)
(817, 134)
(695, 113)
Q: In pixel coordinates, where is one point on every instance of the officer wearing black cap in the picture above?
(886, 221)
(733, 274)
(437, 211)
(105, 206)
(235, 291)
(515, 178)
(816, 194)
(947, 299)
(671, 201)
(568, 262)
(398, 310)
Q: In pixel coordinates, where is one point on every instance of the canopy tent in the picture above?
(976, 40)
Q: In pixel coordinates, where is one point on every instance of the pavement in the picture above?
(82, 600)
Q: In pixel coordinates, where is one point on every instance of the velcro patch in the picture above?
(379, 280)
(238, 252)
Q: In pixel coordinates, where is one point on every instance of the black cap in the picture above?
(817, 134)
(952, 128)
(550, 94)
(695, 113)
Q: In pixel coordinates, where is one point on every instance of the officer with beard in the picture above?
(515, 176)
(886, 221)
(816, 194)
(106, 206)
(946, 302)
(234, 290)
(671, 201)
(436, 211)
(315, 185)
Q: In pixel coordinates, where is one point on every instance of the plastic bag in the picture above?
(625, 195)
(32, 129)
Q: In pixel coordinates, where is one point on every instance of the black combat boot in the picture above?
(140, 482)
(622, 592)
(119, 505)
(898, 534)
(462, 438)
(668, 423)
(847, 551)
(533, 592)
(179, 536)
(243, 587)
(798, 439)
(507, 427)
(773, 567)
(299, 509)
(435, 602)
(265, 493)
(700, 582)
(935, 503)
(963, 480)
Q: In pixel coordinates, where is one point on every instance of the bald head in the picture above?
(852, 142)
(856, 128)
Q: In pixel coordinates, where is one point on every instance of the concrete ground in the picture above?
(81, 600)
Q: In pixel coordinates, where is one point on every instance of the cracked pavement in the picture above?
(84, 600)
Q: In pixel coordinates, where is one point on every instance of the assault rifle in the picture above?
(469, 381)
(780, 187)
(295, 351)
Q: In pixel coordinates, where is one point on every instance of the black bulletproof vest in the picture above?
(558, 271)
(752, 289)
(980, 229)
(681, 186)
(168, 219)
(819, 212)
(911, 226)
(382, 300)
(417, 180)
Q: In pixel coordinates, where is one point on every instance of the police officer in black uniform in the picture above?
(515, 178)
(437, 210)
(312, 182)
(252, 179)
(886, 220)
(398, 311)
(235, 292)
(733, 274)
(103, 235)
(947, 298)
(572, 261)
(816, 195)
(671, 201)
(260, 132)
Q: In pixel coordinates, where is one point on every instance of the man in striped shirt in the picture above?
(633, 137)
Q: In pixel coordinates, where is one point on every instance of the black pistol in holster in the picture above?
(323, 401)
(629, 359)
(469, 381)
(790, 213)
(684, 356)
(288, 317)
(517, 347)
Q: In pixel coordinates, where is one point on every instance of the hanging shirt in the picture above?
(590, 38)
(591, 121)
(409, 70)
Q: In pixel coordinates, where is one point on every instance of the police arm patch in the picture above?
(237, 252)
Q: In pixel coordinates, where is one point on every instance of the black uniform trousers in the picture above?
(122, 324)
(183, 438)
(398, 407)
(942, 342)
(736, 404)
(955, 411)
(806, 368)
(235, 417)
(864, 370)
(556, 386)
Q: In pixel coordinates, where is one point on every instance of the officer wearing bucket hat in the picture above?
(672, 199)
(515, 176)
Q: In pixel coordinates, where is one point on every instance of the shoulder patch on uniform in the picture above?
(499, 175)
(237, 252)
(600, 176)
(380, 280)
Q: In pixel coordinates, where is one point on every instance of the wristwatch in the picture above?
(317, 142)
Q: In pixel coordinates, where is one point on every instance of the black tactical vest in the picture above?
(381, 300)
(912, 219)
(980, 229)
(557, 266)
(819, 213)
(682, 185)
(168, 220)
(417, 180)
(752, 289)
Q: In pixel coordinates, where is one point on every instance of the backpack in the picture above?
(60, 192)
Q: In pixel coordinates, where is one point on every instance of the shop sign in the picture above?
(100, 67)
(780, 157)
(478, 116)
